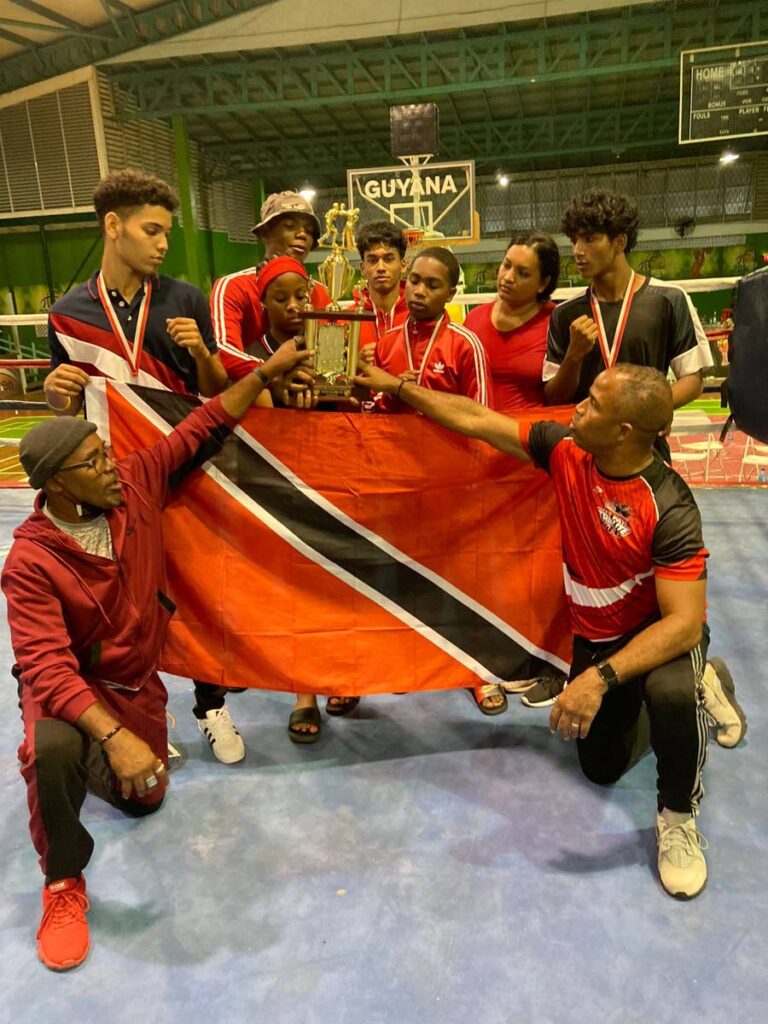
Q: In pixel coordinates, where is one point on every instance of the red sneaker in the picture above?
(62, 939)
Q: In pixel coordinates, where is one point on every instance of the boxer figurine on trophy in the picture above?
(333, 333)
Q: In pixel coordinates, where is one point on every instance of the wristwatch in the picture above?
(262, 376)
(607, 673)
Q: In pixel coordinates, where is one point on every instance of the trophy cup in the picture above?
(333, 333)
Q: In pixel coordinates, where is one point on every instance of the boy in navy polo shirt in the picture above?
(130, 325)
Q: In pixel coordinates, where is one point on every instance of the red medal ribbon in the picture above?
(427, 350)
(610, 353)
(132, 351)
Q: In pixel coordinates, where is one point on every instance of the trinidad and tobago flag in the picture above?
(350, 553)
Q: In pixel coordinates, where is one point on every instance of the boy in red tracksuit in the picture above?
(84, 584)
(428, 348)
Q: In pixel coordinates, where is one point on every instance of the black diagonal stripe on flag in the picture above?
(415, 594)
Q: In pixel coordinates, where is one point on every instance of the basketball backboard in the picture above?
(436, 198)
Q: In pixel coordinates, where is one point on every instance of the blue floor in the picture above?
(420, 864)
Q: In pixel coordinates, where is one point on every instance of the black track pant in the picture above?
(65, 765)
(208, 697)
(662, 710)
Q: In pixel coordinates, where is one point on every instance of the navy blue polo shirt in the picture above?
(79, 333)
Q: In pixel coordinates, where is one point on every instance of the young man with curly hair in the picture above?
(622, 317)
(130, 324)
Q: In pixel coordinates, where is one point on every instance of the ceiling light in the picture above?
(503, 180)
(729, 157)
(308, 193)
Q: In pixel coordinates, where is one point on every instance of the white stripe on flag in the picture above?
(296, 542)
(111, 365)
(395, 553)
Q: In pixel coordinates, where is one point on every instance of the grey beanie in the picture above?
(45, 447)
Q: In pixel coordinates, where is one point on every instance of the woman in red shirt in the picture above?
(513, 328)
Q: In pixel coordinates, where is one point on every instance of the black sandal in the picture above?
(304, 716)
(337, 710)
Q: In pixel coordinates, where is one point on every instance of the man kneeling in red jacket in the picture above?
(84, 584)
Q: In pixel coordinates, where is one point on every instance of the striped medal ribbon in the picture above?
(611, 352)
(383, 318)
(132, 350)
(427, 350)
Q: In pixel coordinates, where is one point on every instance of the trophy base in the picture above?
(326, 392)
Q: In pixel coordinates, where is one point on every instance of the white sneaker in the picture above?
(682, 868)
(518, 685)
(226, 742)
(721, 705)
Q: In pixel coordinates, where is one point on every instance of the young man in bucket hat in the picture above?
(287, 226)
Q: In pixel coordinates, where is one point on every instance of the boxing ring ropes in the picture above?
(17, 413)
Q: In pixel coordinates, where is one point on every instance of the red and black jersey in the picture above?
(619, 534)
(79, 333)
(239, 319)
(662, 330)
(445, 357)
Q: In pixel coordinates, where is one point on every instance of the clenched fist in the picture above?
(583, 335)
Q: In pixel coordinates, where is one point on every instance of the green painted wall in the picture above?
(22, 266)
(218, 255)
(667, 264)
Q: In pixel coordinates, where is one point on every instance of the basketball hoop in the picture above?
(41, 330)
(413, 237)
(431, 202)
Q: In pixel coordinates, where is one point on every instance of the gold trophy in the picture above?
(333, 333)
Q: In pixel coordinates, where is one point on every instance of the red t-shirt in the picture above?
(446, 357)
(239, 320)
(515, 357)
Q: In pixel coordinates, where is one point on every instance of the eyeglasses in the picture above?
(97, 464)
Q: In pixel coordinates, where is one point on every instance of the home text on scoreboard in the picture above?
(724, 93)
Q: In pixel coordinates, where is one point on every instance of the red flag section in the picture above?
(351, 554)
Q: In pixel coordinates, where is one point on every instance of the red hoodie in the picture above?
(86, 628)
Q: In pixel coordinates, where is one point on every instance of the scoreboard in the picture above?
(724, 93)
